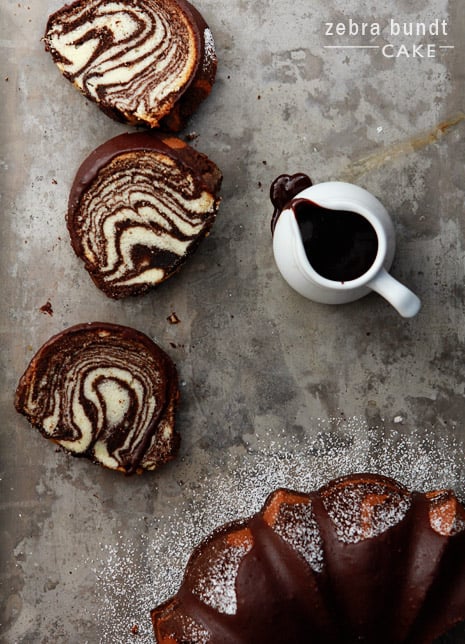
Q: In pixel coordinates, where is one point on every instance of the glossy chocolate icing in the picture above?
(206, 174)
(390, 572)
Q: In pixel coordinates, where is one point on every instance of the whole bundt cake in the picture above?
(362, 559)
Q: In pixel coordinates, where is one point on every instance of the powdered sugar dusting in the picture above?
(441, 526)
(364, 511)
(131, 584)
(297, 525)
(446, 516)
(209, 48)
(216, 586)
(196, 634)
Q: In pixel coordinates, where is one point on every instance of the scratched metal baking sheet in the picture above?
(276, 390)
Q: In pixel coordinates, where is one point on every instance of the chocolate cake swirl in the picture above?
(138, 208)
(104, 391)
(145, 62)
(360, 560)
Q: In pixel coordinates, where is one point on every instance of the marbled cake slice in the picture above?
(144, 62)
(138, 208)
(106, 392)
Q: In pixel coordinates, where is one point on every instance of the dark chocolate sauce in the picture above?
(283, 189)
(340, 245)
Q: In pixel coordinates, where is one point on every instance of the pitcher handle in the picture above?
(401, 298)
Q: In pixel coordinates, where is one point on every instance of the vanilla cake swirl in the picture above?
(139, 60)
(104, 391)
(139, 206)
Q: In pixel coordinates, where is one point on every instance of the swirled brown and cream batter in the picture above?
(139, 206)
(104, 391)
(147, 62)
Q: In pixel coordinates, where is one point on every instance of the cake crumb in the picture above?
(191, 136)
(47, 308)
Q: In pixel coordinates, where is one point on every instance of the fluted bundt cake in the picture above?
(144, 62)
(360, 560)
(104, 391)
(138, 208)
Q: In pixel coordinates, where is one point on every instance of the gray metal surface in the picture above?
(275, 389)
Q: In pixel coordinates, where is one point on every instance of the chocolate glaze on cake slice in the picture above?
(360, 560)
(138, 208)
(144, 62)
(104, 391)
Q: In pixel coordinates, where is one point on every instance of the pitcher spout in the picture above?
(283, 189)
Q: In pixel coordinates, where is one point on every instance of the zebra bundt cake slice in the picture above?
(138, 208)
(143, 62)
(106, 392)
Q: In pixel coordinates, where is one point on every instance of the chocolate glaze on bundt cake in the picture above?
(360, 560)
(138, 208)
(106, 392)
(144, 62)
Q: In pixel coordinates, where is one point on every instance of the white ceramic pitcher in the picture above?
(295, 267)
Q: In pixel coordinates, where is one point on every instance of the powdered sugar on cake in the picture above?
(209, 48)
(364, 511)
(298, 527)
(216, 586)
(133, 584)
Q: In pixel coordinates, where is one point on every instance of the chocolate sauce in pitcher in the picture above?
(340, 245)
